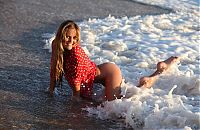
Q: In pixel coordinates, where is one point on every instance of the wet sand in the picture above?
(24, 64)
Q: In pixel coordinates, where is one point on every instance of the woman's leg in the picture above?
(162, 66)
(110, 76)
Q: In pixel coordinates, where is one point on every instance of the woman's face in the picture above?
(70, 39)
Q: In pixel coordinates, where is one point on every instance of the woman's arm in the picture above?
(52, 69)
(76, 93)
(52, 86)
(76, 90)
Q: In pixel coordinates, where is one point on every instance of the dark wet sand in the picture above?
(24, 65)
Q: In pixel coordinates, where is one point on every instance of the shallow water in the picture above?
(24, 65)
(136, 44)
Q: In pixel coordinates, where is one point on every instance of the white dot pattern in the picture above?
(79, 69)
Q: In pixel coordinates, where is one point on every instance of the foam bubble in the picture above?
(136, 44)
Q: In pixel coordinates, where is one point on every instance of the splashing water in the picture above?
(136, 44)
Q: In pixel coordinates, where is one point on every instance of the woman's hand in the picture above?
(49, 92)
(52, 87)
(76, 96)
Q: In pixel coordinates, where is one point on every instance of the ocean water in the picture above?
(136, 44)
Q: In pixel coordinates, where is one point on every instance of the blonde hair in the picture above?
(57, 63)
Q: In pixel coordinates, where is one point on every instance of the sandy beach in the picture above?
(24, 64)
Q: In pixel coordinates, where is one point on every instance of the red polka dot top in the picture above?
(79, 69)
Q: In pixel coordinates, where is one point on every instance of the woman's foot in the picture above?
(164, 65)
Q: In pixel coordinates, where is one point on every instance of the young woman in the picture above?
(69, 58)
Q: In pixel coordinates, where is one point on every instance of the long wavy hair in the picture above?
(57, 63)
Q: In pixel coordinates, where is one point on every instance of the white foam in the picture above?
(136, 44)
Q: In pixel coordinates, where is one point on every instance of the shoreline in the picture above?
(24, 64)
